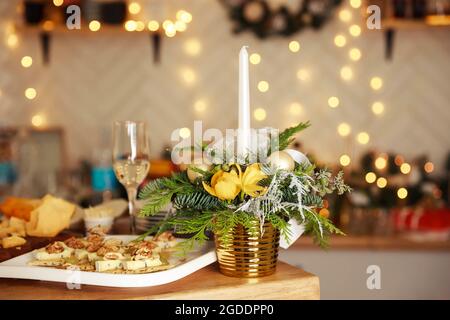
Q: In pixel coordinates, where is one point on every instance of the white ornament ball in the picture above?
(281, 160)
(193, 175)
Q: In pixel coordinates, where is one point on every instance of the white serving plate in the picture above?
(197, 259)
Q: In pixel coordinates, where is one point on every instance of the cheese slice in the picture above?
(81, 254)
(141, 264)
(105, 265)
(92, 256)
(43, 255)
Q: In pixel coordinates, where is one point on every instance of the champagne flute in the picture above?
(131, 160)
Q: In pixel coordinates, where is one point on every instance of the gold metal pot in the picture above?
(249, 253)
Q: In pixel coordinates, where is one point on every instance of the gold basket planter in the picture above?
(250, 253)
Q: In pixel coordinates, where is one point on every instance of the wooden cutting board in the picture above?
(33, 243)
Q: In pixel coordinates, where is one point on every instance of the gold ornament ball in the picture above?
(193, 175)
(281, 160)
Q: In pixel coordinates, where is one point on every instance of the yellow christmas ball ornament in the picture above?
(281, 160)
(193, 175)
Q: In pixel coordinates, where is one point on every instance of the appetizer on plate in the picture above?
(107, 254)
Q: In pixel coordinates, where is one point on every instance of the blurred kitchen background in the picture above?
(378, 101)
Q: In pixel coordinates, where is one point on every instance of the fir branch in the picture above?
(286, 137)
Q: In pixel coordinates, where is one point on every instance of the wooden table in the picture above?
(287, 283)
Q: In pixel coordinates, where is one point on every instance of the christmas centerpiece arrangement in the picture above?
(251, 201)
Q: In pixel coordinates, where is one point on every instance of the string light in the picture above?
(303, 75)
(398, 160)
(153, 25)
(380, 163)
(184, 16)
(255, 58)
(376, 83)
(200, 105)
(94, 25)
(26, 61)
(259, 114)
(402, 193)
(381, 182)
(48, 25)
(405, 168)
(134, 8)
(340, 40)
(355, 54)
(333, 102)
(377, 108)
(171, 31)
(344, 160)
(428, 167)
(140, 26)
(192, 47)
(185, 133)
(363, 138)
(294, 46)
(130, 25)
(370, 177)
(263, 86)
(344, 129)
(345, 15)
(12, 40)
(355, 3)
(180, 26)
(295, 108)
(346, 73)
(38, 120)
(58, 3)
(188, 75)
(354, 30)
(30, 93)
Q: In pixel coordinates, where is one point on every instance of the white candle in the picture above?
(243, 143)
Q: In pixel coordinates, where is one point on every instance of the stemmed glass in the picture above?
(131, 160)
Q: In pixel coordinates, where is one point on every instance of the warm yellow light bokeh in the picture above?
(381, 182)
(38, 120)
(26, 61)
(345, 15)
(303, 74)
(354, 30)
(58, 3)
(363, 138)
(185, 133)
(333, 102)
(370, 177)
(255, 58)
(344, 129)
(30, 93)
(263, 86)
(12, 41)
(378, 108)
(340, 40)
(294, 46)
(402, 193)
(346, 73)
(355, 3)
(344, 160)
(380, 163)
(153, 25)
(428, 167)
(200, 105)
(180, 26)
(259, 114)
(193, 47)
(405, 168)
(184, 16)
(355, 54)
(94, 25)
(188, 75)
(130, 25)
(295, 108)
(134, 8)
(376, 83)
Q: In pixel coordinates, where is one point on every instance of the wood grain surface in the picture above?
(287, 283)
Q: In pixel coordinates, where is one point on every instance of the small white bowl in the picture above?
(104, 222)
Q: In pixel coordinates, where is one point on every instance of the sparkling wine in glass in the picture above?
(131, 160)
